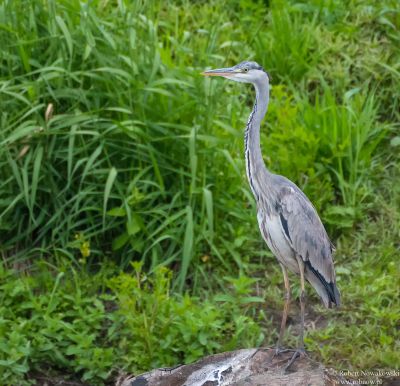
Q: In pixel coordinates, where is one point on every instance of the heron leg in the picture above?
(302, 302)
(285, 309)
(300, 350)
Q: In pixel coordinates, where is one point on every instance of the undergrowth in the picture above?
(81, 323)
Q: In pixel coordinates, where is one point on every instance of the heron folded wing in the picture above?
(305, 232)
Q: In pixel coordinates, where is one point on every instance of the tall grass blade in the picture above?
(187, 250)
(107, 190)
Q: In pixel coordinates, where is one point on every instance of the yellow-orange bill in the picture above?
(217, 73)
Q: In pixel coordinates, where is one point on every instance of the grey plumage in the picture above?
(287, 220)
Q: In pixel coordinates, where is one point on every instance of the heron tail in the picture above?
(328, 291)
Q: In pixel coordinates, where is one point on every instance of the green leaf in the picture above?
(251, 299)
(117, 212)
(66, 34)
(35, 175)
(110, 181)
(395, 141)
(187, 247)
(120, 241)
(223, 298)
(132, 226)
(208, 200)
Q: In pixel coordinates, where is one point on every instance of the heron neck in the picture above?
(254, 161)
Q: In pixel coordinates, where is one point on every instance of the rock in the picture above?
(249, 367)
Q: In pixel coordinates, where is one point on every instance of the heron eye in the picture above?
(246, 69)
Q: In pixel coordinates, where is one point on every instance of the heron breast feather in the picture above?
(273, 234)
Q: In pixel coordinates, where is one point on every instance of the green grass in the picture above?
(141, 160)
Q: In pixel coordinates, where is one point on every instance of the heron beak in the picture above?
(220, 72)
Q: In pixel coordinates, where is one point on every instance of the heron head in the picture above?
(247, 72)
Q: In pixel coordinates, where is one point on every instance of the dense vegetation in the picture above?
(128, 232)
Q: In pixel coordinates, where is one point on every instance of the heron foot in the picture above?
(298, 353)
(280, 350)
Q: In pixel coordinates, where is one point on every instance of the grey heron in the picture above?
(288, 221)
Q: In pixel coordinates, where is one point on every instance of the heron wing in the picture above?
(305, 232)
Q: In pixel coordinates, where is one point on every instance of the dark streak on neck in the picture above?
(247, 150)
